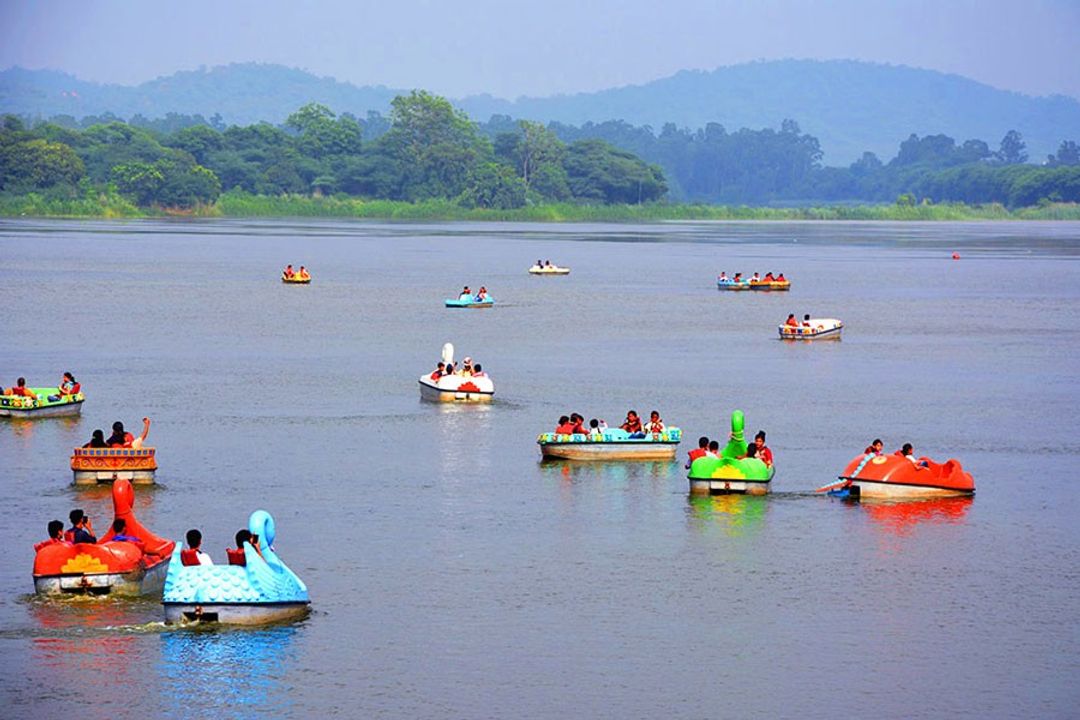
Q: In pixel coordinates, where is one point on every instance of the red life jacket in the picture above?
(189, 557)
(236, 556)
(76, 388)
(69, 535)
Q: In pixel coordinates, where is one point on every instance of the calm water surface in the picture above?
(455, 576)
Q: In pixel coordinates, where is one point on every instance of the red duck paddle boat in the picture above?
(895, 477)
(109, 566)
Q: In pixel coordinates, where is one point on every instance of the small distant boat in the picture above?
(611, 444)
(770, 285)
(296, 280)
(470, 301)
(46, 403)
(456, 388)
(730, 284)
(894, 477)
(732, 472)
(818, 329)
(262, 590)
(548, 270)
(107, 567)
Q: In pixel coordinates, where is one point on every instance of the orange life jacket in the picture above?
(189, 557)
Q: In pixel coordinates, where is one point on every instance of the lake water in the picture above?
(455, 576)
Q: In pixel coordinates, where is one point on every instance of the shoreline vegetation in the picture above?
(244, 205)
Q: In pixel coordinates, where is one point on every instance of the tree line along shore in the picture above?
(428, 161)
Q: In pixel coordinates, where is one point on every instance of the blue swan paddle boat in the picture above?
(263, 590)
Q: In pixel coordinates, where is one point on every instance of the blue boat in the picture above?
(263, 590)
(470, 301)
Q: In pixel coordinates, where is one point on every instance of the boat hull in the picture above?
(459, 304)
(870, 489)
(63, 410)
(296, 282)
(235, 613)
(609, 451)
(822, 329)
(442, 395)
(148, 581)
(729, 486)
(92, 466)
(100, 477)
(549, 271)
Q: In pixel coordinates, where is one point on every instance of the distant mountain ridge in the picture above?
(849, 106)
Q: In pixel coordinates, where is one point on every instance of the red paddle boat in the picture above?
(896, 477)
(110, 565)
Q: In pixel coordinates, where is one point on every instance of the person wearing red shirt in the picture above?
(565, 427)
(699, 451)
(56, 535)
(21, 389)
(764, 454)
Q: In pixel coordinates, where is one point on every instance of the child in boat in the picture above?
(594, 429)
(481, 293)
(908, 452)
(21, 389)
(97, 440)
(438, 372)
(236, 556)
(56, 535)
(655, 424)
(874, 448)
(763, 453)
(577, 423)
(118, 527)
(751, 452)
(194, 554)
(769, 277)
(723, 276)
(791, 321)
(714, 449)
(633, 425)
(478, 371)
(288, 272)
(466, 293)
(701, 450)
(303, 274)
(565, 427)
(806, 320)
(780, 278)
(737, 278)
(755, 278)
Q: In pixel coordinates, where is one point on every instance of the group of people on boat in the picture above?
(67, 386)
(467, 294)
(793, 321)
(466, 369)
(81, 532)
(574, 424)
(755, 278)
(906, 451)
(120, 438)
(194, 554)
(711, 448)
(544, 264)
(289, 274)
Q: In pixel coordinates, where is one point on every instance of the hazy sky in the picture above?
(542, 47)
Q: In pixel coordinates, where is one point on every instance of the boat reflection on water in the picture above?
(232, 672)
(901, 518)
(734, 514)
(463, 439)
(620, 471)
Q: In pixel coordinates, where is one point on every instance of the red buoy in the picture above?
(956, 256)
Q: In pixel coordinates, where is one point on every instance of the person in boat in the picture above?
(466, 293)
(791, 320)
(20, 389)
(577, 422)
(806, 320)
(737, 278)
(194, 554)
(700, 451)
(288, 273)
(723, 276)
(82, 530)
(755, 278)
(120, 438)
(908, 452)
(118, 527)
(714, 448)
(478, 371)
(769, 277)
(602, 424)
(751, 452)
(547, 263)
(539, 263)
(466, 367)
(236, 556)
(780, 278)
(764, 454)
(481, 294)
(655, 424)
(438, 372)
(68, 386)
(565, 427)
(303, 274)
(594, 429)
(56, 535)
(874, 448)
(633, 425)
(97, 440)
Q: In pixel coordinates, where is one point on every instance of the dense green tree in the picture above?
(1068, 154)
(38, 164)
(598, 172)
(494, 185)
(1013, 150)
